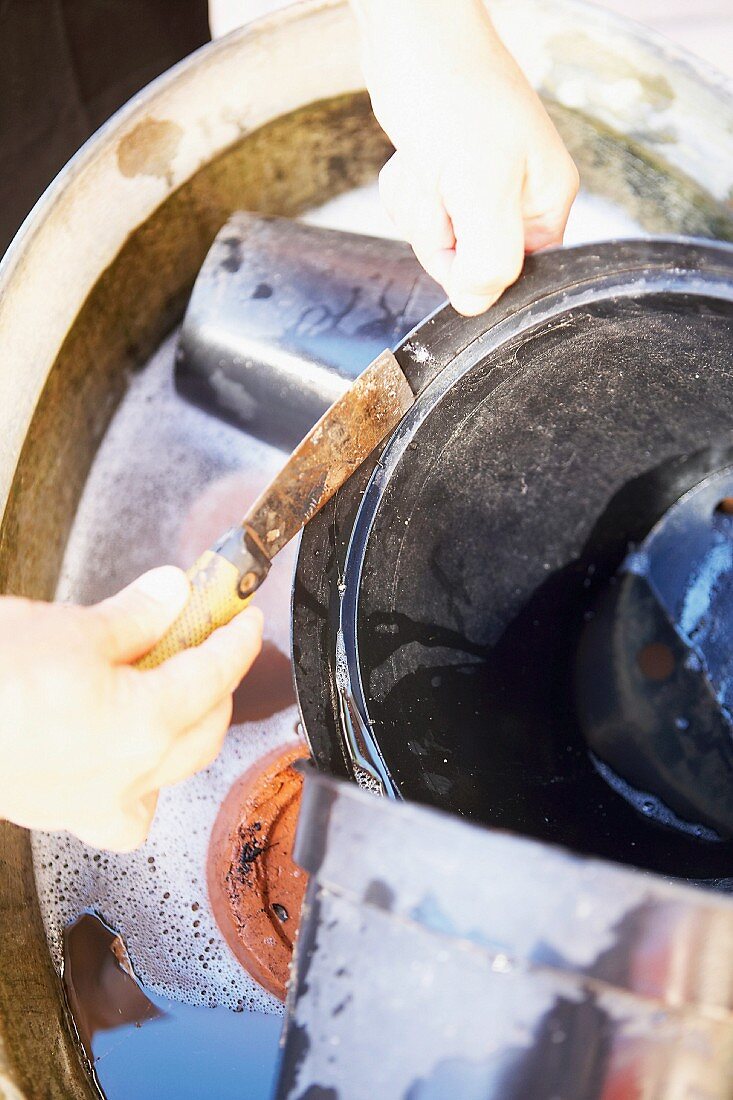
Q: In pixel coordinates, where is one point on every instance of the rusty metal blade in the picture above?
(329, 454)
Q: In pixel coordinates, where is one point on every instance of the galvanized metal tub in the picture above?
(102, 268)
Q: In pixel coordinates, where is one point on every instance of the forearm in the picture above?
(456, 31)
(412, 48)
(416, 19)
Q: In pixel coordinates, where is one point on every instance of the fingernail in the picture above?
(470, 305)
(166, 585)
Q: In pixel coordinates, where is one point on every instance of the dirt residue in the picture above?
(256, 889)
(149, 149)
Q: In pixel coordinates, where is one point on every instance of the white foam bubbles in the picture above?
(156, 897)
(161, 461)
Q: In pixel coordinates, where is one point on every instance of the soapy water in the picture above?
(649, 805)
(156, 898)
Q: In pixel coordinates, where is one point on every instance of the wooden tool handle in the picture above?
(214, 601)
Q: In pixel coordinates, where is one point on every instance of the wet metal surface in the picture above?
(518, 971)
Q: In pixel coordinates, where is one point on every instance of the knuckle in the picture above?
(254, 616)
(108, 836)
(572, 178)
(431, 232)
(553, 220)
(252, 622)
(554, 191)
(123, 620)
(545, 231)
(220, 668)
(108, 621)
(395, 195)
(241, 656)
(511, 269)
(142, 613)
(565, 190)
(135, 825)
(128, 838)
(213, 748)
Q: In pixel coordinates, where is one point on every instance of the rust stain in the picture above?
(149, 149)
(333, 449)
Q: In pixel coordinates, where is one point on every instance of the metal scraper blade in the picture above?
(334, 448)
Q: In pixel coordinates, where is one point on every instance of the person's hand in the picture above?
(86, 741)
(480, 175)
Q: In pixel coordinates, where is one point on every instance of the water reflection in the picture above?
(146, 1047)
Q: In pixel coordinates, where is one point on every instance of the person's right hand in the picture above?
(87, 741)
(480, 175)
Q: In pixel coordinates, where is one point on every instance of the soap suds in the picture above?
(162, 460)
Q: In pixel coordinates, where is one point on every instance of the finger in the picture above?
(120, 831)
(129, 623)
(549, 193)
(194, 750)
(390, 183)
(546, 231)
(489, 231)
(419, 216)
(437, 262)
(187, 686)
(415, 206)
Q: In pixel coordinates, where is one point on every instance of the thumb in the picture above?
(130, 623)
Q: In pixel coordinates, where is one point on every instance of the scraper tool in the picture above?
(225, 578)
